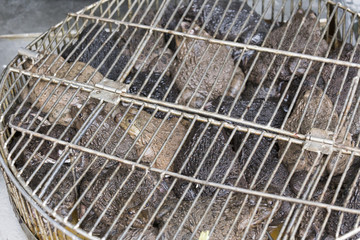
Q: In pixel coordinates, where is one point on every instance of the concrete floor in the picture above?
(23, 16)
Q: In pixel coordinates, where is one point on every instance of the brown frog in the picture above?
(224, 20)
(56, 66)
(127, 183)
(319, 129)
(214, 74)
(137, 124)
(226, 220)
(118, 144)
(306, 42)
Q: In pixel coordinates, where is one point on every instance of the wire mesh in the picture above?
(174, 119)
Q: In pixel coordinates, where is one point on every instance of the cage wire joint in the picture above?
(33, 56)
(109, 91)
(318, 140)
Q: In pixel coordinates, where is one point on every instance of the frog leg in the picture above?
(236, 83)
(185, 97)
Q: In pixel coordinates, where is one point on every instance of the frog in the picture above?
(297, 86)
(90, 44)
(38, 150)
(216, 70)
(341, 76)
(64, 209)
(129, 180)
(228, 106)
(156, 82)
(265, 90)
(313, 231)
(195, 159)
(110, 131)
(324, 126)
(266, 153)
(281, 89)
(307, 41)
(135, 121)
(26, 116)
(27, 153)
(224, 20)
(156, 60)
(223, 227)
(38, 91)
(135, 35)
(270, 114)
(159, 58)
(332, 197)
(89, 222)
(348, 197)
(116, 232)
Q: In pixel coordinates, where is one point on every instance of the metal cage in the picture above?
(124, 121)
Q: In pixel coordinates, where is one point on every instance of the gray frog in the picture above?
(90, 126)
(112, 208)
(220, 69)
(319, 129)
(63, 208)
(223, 227)
(157, 60)
(343, 76)
(46, 150)
(38, 149)
(135, 36)
(309, 30)
(50, 66)
(265, 153)
(213, 140)
(116, 232)
(308, 228)
(349, 197)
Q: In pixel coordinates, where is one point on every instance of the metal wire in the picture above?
(124, 21)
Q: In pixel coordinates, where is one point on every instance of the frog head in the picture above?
(134, 120)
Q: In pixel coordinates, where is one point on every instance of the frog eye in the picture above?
(129, 120)
(131, 211)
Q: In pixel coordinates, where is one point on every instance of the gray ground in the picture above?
(22, 16)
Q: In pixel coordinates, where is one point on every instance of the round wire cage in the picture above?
(187, 119)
